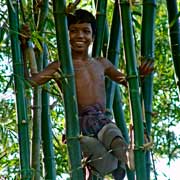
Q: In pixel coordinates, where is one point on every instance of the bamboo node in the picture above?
(23, 121)
(131, 77)
(100, 13)
(73, 138)
(144, 147)
(66, 76)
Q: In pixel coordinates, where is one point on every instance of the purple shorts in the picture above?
(92, 119)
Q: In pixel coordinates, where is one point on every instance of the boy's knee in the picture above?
(100, 159)
(108, 133)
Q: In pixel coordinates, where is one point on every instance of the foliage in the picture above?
(166, 106)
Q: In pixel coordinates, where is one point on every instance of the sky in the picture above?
(166, 172)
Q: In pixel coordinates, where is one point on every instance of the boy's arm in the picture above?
(36, 78)
(116, 76)
(113, 73)
(144, 69)
(45, 75)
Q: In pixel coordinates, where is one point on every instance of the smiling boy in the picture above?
(90, 76)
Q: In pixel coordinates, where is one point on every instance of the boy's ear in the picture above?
(93, 38)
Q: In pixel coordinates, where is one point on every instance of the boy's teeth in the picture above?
(79, 43)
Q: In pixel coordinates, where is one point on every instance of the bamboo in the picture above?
(147, 52)
(132, 76)
(174, 35)
(36, 138)
(112, 90)
(19, 92)
(105, 39)
(119, 115)
(68, 85)
(113, 53)
(37, 119)
(49, 159)
(121, 123)
(100, 19)
(101, 39)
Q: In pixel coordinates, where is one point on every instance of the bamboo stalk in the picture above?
(37, 119)
(121, 123)
(101, 39)
(19, 92)
(105, 39)
(37, 112)
(113, 53)
(132, 76)
(69, 93)
(100, 19)
(174, 35)
(147, 52)
(112, 90)
(36, 137)
(49, 159)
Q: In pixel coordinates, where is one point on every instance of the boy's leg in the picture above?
(119, 149)
(98, 157)
(111, 136)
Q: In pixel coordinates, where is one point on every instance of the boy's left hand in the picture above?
(146, 68)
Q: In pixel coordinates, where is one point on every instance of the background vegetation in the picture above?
(166, 105)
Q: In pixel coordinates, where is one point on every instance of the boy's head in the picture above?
(82, 16)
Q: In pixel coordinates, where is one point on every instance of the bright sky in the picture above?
(166, 172)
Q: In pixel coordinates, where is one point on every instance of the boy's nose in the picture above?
(80, 34)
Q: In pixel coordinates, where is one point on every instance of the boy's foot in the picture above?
(119, 149)
(121, 152)
(119, 173)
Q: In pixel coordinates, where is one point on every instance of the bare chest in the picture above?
(89, 74)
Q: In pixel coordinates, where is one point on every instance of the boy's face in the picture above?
(81, 36)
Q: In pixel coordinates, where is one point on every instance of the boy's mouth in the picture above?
(79, 43)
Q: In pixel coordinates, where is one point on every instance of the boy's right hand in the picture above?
(24, 35)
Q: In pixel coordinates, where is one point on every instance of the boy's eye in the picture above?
(87, 31)
(73, 31)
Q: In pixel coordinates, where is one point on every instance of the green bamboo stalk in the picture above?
(37, 119)
(49, 160)
(101, 39)
(43, 16)
(119, 115)
(147, 52)
(121, 123)
(113, 53)
(105, 39)
(112, 90)
(36, 138)
(132, 76)
(19, 92)
(100, 19)
(69, 93)
(174, 35)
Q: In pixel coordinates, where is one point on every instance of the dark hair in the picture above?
(82, 16)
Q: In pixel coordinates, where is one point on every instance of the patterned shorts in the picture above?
(92, 119)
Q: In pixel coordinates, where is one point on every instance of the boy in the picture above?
(90, 87)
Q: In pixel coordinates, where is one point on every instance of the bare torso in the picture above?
(90, 85)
